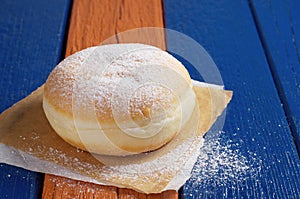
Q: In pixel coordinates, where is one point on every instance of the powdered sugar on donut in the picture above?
(95, 77)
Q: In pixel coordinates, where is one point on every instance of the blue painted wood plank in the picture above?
(31, 40)
(279, 26)
(254, 156)
(19, 183)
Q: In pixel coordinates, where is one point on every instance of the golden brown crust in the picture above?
(59, 90)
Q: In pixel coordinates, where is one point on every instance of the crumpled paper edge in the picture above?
(23, 159)
(185, 172)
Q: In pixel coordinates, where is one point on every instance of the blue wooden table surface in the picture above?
(248, 54)
(256, 46)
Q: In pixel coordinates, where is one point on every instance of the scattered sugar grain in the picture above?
(222, 163)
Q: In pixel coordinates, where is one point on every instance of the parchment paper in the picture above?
(28, 141)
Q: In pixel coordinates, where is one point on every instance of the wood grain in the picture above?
(255, 125)
(94, 22)
(281, 20)
(31, 35)
(59, 187)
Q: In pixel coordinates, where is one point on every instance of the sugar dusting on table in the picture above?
(221, 162)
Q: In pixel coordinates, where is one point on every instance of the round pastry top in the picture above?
(134, 81)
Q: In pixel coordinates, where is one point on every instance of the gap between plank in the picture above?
(276, 79)
(66, 31)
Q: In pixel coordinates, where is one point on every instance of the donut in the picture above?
(119, 99)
